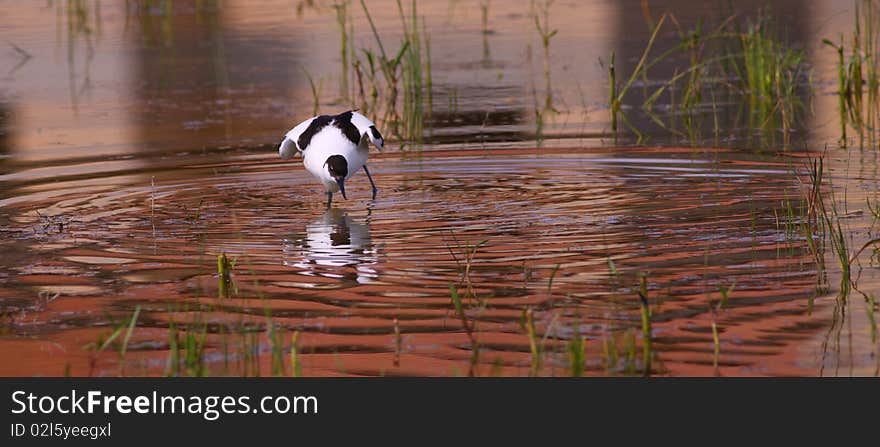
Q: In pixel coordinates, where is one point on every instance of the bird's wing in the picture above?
(353, 126)
(365, 127)
(289, 147)
(299, 138)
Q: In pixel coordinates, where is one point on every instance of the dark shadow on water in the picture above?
(5, 133)
(5, 146)
(200, 84)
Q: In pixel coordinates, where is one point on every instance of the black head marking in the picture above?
(375, 133)
(337, 165)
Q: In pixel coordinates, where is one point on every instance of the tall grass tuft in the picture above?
(534, 346)
(577, 355)
(295, 362)
(470, 328)
(409, 72)
(771, 71)
(646, 325)
(753, 64)
(869, 308)
(225, 284)
(342, 20)
(276, 345)
(858, 76)
(398, 342)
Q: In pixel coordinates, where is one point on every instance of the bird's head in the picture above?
(337, 166)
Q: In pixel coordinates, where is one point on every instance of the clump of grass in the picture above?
(194, 217)
(725, 293)
(316, 92)
(858, 76)
(464, 261)
(225, 284)
(470, 328)
(830, 222)
(618, 93)
(534, 346)
(613, 273)
(646, 324)
(413, 76)
(295, 362)
(542, 25)
(772, 71)
(842, 87)
(614, 99)
(716, 342)
(550, 281)
(545, 33)
(276, 345)
(398, 342)
(102, 343)
(249, 352)
(408, 71)
(342, 20)
(714, 310)
(484, 27)
(839, 246)
(869, 310)
(186, 349)
(609, 354)
(813, 223)
(497, 368)
(128, 332)
(619, 353)
(153, 204)
(754, 64)
(577, 355)
(188, 341)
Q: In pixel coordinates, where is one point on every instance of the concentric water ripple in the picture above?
(498, 227)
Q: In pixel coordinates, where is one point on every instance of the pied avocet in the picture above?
(334, 148)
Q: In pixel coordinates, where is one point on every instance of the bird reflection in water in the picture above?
(332, 243)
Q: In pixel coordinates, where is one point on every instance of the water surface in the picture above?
(137, 148)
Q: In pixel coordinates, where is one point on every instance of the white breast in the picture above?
(330, 141)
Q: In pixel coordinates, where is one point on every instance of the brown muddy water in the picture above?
(138, 144)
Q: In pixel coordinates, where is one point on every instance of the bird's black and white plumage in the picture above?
(334, 148)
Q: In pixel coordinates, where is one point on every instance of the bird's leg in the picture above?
(367, 171)
(329, 199)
